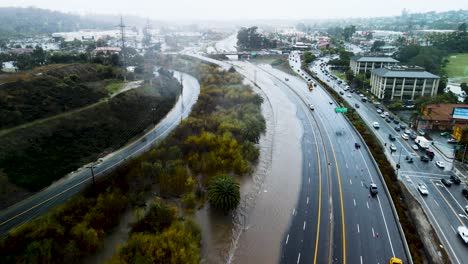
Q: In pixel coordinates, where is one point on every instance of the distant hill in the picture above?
(16, 22)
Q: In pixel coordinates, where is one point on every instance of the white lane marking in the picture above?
(354, 201)
(307, 200)
(367, 205)
(350, 182)
(303, 228)
(287, 239)
(309, 179)
(438, 226)
(436, 203)
(362, 184)
(298, 258)
(309, 164)
(361, 259)
(453, 229)
(346, 165)
(294, 211)
(358, 228)
(373, 233)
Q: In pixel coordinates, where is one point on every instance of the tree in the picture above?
(348, 32)
(223, 193)
(308, 57)
(377, 45)
(462, 27)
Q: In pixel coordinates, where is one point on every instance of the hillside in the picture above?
(50, 90)
(15, 22)
(35, 156)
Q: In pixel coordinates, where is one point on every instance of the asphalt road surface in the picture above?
(336, 220)
(69, 186)
(443, 205)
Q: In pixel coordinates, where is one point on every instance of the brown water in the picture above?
(254, 232)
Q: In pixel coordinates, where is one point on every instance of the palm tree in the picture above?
(223, 193)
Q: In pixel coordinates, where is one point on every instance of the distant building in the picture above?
(439, 117)
(106, 50)
(323, 42)
(363, 64)
(403, 83)
(21, 51)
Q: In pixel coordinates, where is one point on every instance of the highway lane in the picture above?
(437, 204)
(365, 227)
(358, 171)
(75, 182)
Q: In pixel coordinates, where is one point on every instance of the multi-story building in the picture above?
(363, 64)
(403, 83)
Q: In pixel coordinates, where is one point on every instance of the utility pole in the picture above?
(92, 166)
(122, 34)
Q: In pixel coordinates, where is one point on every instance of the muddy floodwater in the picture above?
(254, 232)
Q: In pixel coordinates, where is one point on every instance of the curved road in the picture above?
(336, 220)
(65, 188)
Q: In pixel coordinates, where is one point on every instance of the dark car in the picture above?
(413, 136)
(373, 189)
(430, 153)
(363, 100)
(397, 128)
(455, 179)
(357, 145)
(341, 92)
(402, 126)
(446, 182)
(391, 117)
(391, 137)
(465, 193)
(356, 105)
(388, 120)
(425, 158)
(396, 122)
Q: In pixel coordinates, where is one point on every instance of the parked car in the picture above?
(373, 189)
(446, 182)
(440, 164)
(423, 189)
(455, 179)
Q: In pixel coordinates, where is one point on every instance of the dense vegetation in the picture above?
(32, 21)
(35, 156)
(228, 110)
(250, 39)
(50, 92)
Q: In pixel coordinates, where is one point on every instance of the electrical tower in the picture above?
(122, 34)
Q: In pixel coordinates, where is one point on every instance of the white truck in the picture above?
(422, 142)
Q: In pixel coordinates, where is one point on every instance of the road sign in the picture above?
(341, 109)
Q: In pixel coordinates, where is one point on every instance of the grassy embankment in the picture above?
(216, 139)
(40, 151)
(457, 67)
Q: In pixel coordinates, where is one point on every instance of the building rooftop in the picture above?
(404, 72)
(373, 59)
(440, 112)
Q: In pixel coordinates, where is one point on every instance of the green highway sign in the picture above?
(341, 109)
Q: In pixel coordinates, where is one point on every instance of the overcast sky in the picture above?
(243, 9)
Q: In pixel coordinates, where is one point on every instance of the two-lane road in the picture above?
(72, 184)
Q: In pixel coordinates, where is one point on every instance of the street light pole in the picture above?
(92, 172)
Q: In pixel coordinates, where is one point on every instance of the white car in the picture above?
(376, 125)
(415, 147)
(423, 189)
(463, 232)
(379, 111)
(393, 147)
(386, 114)
(349, 95)
(440, 164)
(404, 136)
(383, 116)
(311, 106)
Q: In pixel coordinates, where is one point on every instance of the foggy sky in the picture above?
(242, 9)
